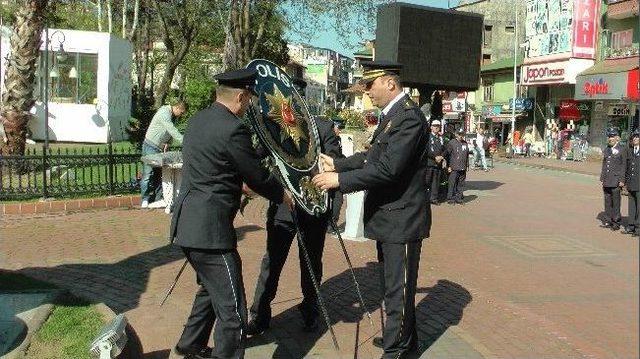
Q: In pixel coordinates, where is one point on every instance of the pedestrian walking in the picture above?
(528, 141)
(632, 181)
(160, 133)
(281, 230)
(457, 154)
(434, 162)
(480, 146)
(614, 164)
(218, 156)
(396, 213)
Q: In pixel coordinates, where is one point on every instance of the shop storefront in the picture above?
(497, 120)
(611, 89)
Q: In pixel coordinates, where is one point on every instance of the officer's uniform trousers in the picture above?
(433, 182)
(400, 263)
(612, 204)
(280, 235)
(634, 211)
(221, 295)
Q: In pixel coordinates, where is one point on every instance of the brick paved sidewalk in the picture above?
(520, 271)
(587, 167)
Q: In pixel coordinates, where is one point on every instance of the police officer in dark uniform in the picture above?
(434, 161)
(614, 164)
(281, 231)
(396, 212)
(218, 156)
(632, 181)
(457, 154)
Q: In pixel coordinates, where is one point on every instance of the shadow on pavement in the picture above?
(482, 185)
(442, 307)
(119, 285)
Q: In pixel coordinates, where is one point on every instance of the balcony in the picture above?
(623, 9)
(630, 51)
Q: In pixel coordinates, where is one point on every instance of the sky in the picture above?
(330, 40)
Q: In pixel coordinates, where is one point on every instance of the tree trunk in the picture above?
(100, 15)
(18, 98)
(124, 19)
(109, 15)
(165, 84)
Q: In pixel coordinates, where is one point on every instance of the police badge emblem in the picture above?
(283, 124)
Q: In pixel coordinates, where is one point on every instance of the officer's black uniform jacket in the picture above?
(457, 154)
(217, 157)
(392, 170)
(614, 163)
(329, 145)
(436, 148)
(632, 177)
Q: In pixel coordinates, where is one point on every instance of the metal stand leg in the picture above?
(334, 227)
(314, 280)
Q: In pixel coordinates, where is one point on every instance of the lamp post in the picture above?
(47, 40)
(60, 37)
(515, 78)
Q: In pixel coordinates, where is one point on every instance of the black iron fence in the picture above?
(69, 172)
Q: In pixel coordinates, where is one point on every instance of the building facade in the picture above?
(327, 72)
(609, 89)
(561, 42)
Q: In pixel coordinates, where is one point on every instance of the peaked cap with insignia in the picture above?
(240, 79)
(375, 69)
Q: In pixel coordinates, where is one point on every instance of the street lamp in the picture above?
(60, 57)
(59, 35)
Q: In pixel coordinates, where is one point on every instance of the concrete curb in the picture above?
(41, 314)
(546, 167)
(69, 205)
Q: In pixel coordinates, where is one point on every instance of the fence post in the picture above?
(110, 167)
(45, 188)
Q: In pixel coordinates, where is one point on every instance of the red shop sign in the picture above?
(632, 85)
(585, 23)
(569, 110)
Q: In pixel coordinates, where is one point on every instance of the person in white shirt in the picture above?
(480, 145)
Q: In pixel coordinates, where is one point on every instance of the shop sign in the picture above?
(569, 110)
(544, 73)
(583, 107)
(522, 104)
(585, 21)
(618, 109)
(602, 87)
(491, 110)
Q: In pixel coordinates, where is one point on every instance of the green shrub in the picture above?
(198, 94)
(353, 119)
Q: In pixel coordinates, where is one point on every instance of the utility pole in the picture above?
(515, 77)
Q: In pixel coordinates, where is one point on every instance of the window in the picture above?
(488, 90)
(510, 29)
(622, 39)
(486, 59)
(72, 77)
(487, 34)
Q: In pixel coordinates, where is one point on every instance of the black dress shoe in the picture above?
(605, 225)
(378, 342)
(636, 234)
(435, 203)
(629, 231)
(193, 353)
(255, 327)
(459, 201)
(615, 227)
(451, 201)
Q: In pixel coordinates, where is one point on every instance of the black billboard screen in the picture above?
(437, 47)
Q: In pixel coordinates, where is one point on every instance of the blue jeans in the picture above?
(151, 182)
(479, 154)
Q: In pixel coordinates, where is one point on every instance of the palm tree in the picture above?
(18, 98)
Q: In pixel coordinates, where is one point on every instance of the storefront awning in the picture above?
(609, 80)
(504, 117)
